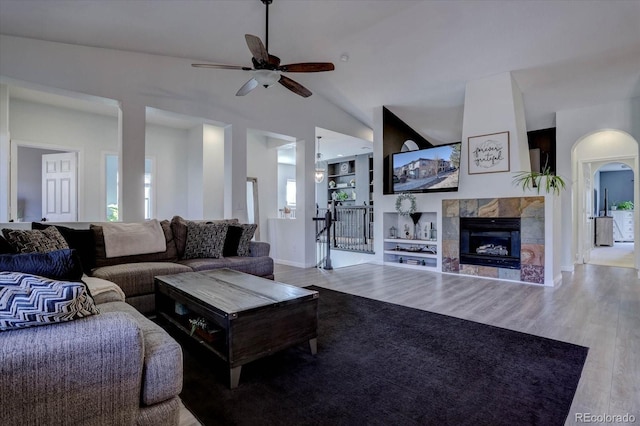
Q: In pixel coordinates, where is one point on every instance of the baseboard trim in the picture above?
(290, 263)
(557, 280)
(566, 268)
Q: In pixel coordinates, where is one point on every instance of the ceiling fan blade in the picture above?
(247, 87)
(222, 67)
(308, 67)
(294, 86)
(257, 48)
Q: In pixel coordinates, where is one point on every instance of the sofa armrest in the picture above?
(86, 371)
(259, 248)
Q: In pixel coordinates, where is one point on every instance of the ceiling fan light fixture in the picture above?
(266, 78)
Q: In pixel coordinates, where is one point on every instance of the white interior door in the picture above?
(588, 231)
(59, 187)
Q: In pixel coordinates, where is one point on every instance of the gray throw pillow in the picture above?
(205, 240)
(35, 241)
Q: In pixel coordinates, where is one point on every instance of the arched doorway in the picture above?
(589, 154)
(613, 205)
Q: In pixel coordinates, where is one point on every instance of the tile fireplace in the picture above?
(495, 238)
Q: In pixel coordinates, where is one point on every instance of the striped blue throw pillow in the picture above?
(27, 300)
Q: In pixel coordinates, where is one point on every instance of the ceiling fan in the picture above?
(266, 69)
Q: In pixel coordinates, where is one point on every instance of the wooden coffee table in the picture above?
(248, 317)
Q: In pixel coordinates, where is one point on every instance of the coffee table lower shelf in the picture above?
(207, 344)
(243, 335)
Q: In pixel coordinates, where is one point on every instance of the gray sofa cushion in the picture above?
(261, 266)
(103, 291)
(259, 248)
(170, 255)
(83, 372)
(137, 278)
(162, 372)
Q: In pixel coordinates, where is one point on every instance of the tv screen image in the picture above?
(434, 169)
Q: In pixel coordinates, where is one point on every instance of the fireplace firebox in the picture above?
(493, 241)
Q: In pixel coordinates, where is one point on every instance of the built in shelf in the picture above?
(410, 249)
(407, 241)
(426, 255)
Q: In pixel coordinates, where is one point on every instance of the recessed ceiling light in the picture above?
(344, 57)
(340, 155)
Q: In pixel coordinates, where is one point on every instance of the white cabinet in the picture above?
(411, 246)
(622, 225)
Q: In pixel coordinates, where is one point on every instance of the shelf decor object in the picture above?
(406, 204)
(489, 153)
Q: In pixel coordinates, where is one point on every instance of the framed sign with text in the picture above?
(489, 153)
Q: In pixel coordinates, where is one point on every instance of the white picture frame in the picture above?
(489, 153)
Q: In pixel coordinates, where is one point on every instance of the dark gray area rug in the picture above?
(384, 364)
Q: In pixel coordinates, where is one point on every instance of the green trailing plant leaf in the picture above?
(530, 180)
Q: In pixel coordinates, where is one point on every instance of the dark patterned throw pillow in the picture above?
(205, 240)
(5, 247)
(35, 241)
(27, 300)
(80, 239)
(238, 239)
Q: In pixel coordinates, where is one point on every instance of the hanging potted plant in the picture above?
(546, 180)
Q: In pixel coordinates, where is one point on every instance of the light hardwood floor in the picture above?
(596, 306)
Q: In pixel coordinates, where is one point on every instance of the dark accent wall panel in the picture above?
(545, 140)
(394, 133)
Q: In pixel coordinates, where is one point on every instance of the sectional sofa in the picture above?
(117, 366)
(114, 368)
(135, 274)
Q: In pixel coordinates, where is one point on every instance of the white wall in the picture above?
(91, 134)
(213, 171)
(96, 134)
(166, 146)
(262, 164)
(571, 126)
(493, 104)
(171, 84)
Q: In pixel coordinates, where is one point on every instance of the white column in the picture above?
(213, 172)
(235, 172)
(4, 153)
(132, 125)
(306, 195)
(195, 209)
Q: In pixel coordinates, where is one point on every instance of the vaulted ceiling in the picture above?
(412, 56)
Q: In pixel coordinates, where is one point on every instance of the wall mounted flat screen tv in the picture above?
(434, 169)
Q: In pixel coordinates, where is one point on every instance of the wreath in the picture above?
(406, 204)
